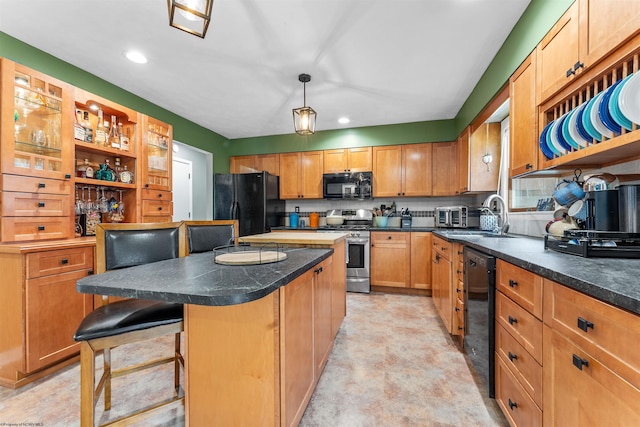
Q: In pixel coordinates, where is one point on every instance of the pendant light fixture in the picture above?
(193, 15)
(304, 118)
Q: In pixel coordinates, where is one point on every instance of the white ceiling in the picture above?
(374, 61)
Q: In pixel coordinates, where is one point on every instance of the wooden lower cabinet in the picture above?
(580, 390)
(257, 363)
(516, 404)
(391, 259)
(442, 281)
(157, 205)
(421, 260)
(338, 287)
(41, 308)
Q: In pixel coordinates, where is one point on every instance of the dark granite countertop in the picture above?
(197, 279)
(613, 280)
(373, 229)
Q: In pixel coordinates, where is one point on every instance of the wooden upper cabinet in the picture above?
(301, 175)
(387, 171)
(242, 164)
(558, 54)
(604, 25)
(523, 124)
(444, 169)
(484, 176)
(357, 159)
(255, 163)
(463, 159)
(402, 170)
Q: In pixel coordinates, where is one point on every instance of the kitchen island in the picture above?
(252, 336)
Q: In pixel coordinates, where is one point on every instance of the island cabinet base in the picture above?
(232, 364)
(257, 363)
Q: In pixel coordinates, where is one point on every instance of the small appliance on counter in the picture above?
(406, 220)
(457, 217)
(594, 243)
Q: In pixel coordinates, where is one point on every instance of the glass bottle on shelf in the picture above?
(100, 137)
(84, 170)
(88, 129)
(124, 139)
(117, 169)
(78, 128)
(126, 176)
(114, 137)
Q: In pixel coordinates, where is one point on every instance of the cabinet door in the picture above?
(387, 171)
(416, 170)
(557, 54)
(322, 334)
(605, 24)
(290, 175)
(296, 347)
(36, 123)
(156, 153)
(578, 388)
(442, 289)
(360, 159)
(390, 246)
(54, 310)
(463, 160)
(242, 164)
(338, 287)
(335, 161)
(485, 140)
(311, 174)
(445, 178)
(421, 260)
(523, 139)
(269, 163)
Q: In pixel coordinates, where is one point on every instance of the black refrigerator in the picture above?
(251, 198)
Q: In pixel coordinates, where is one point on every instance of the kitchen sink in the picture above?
(479, 233)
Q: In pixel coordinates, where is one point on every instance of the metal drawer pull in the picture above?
(159, 208)
(584, 324)
(41, 204)
(41, 228)
(64, 261)
(578, 362)
(512, 357)
(512, 405)
(512, 320)
(41, 185)
(513, 283)
(159, 195)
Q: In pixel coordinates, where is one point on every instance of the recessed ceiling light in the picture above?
(135, 56)
(343, 120)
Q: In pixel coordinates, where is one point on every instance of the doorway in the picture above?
(182, 189)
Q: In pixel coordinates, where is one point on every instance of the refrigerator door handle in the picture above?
(232, 210)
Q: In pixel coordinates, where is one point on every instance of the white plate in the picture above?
(596, 121)
(573, 127)
(553, 134)
(629, 99)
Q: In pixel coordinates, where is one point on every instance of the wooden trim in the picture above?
(233, 222)
(491, 107)
(405, 291)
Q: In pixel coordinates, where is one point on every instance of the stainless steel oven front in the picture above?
(358, 259)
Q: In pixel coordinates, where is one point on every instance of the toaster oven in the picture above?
(457, 217)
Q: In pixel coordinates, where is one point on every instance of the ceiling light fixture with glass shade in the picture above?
(193, 15)
(304, 118)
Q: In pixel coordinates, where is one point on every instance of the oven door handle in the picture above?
(358, 241)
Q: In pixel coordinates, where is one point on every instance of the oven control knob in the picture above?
(356, 234)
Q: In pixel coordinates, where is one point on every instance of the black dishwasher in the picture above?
(479, 299)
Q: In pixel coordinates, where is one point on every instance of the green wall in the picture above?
(183, 129)
(538, 18)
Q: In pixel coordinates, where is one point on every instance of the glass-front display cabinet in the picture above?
(156, 153)
(34, 108)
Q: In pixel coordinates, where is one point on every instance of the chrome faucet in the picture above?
(503, 212)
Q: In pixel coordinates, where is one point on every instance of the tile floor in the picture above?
(392, 365)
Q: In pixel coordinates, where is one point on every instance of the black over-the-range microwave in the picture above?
(347, 185)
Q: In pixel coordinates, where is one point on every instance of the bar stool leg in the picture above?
(177, 364)
(106, 354)
(87, 385)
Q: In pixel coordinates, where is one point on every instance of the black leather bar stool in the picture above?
(203, 236)
(128, 321)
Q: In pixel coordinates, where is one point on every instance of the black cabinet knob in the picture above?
(512, 405)
(41, 185)
(64, 261)
(584, 324)
(512, 320)
(579, 362)
(513, 283)
(67, 176)
(578, 65)
(41, 204)
(570, 72)
(512, 357)
(528, 166)
(41, 228)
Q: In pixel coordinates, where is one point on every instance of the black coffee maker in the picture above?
(602, 210)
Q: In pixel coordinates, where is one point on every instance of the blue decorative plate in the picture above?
(566, 131)
(556, 146)
(580, 126)
(543, 142)
(560, 133)
(603, 110)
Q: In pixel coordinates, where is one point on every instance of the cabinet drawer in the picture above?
(522, 286)
(41, 264)
(521, 364)
(522, 325)
(516, 404)
(27, 184)
(459, 312)
(43, 228)
(608, 333)
(442, 247)
(149, 219)
(157, 208)
(148, 194)
(394, 237)
(33, 204)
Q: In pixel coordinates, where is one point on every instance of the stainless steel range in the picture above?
(357, 223)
